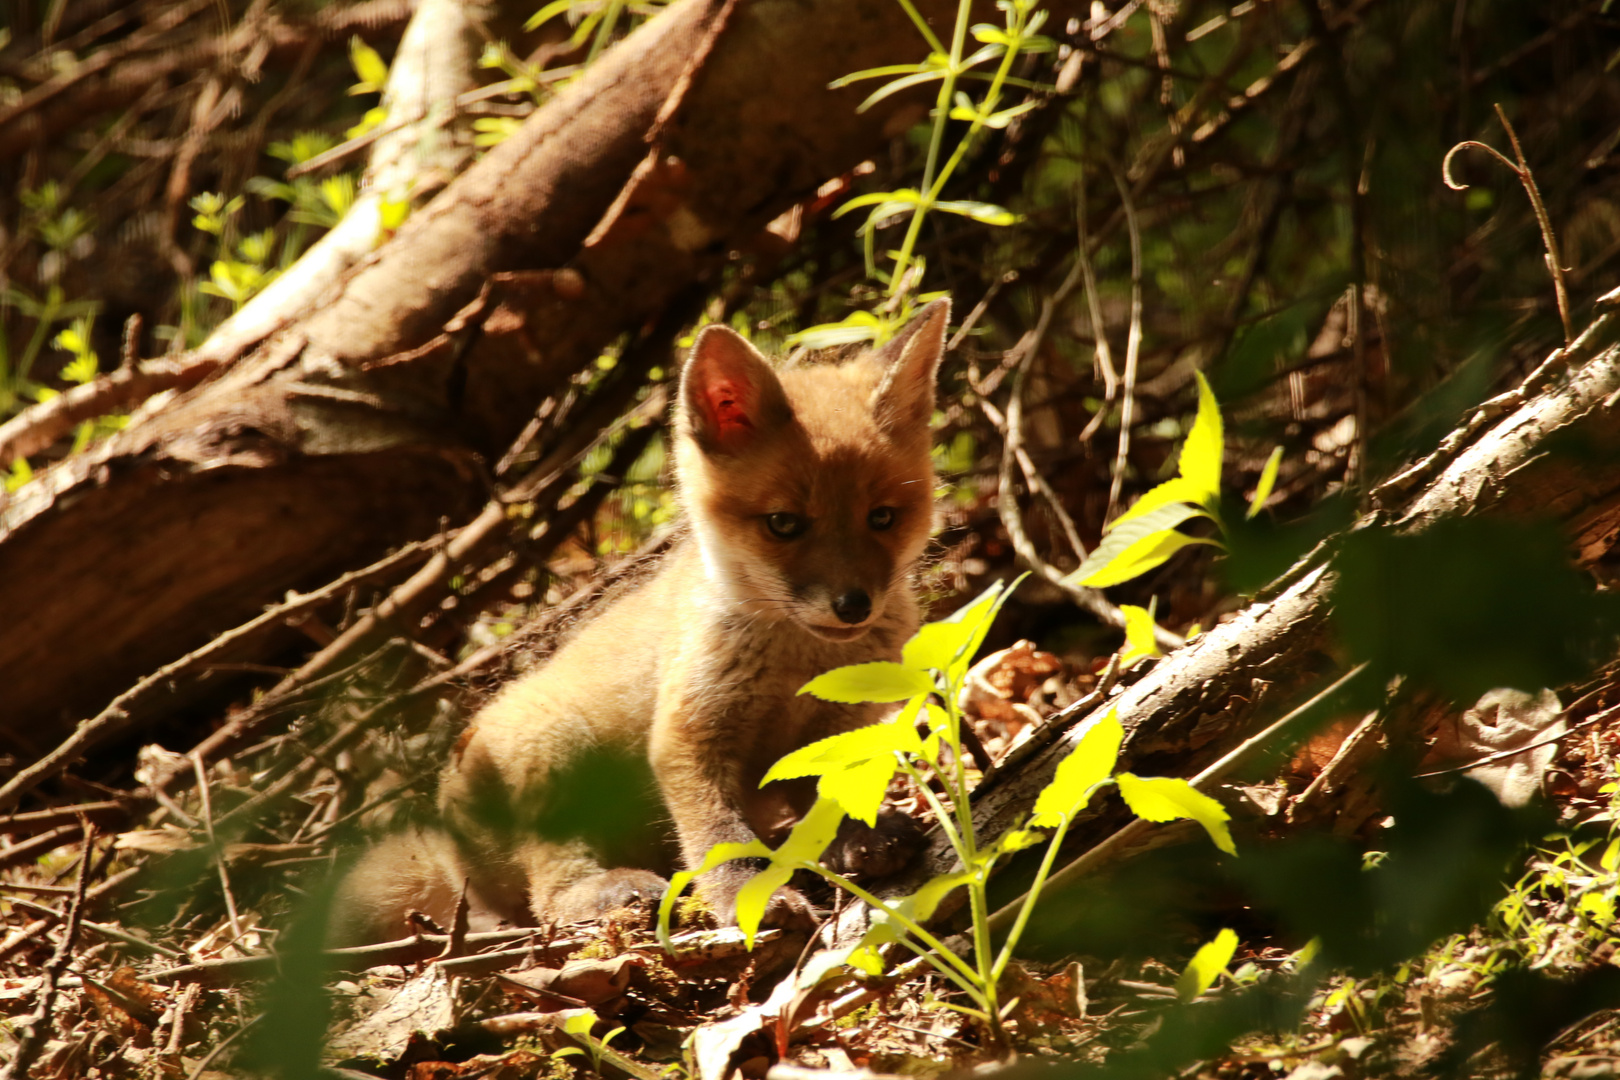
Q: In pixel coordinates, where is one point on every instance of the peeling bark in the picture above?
(1202, 700)
(359, 424)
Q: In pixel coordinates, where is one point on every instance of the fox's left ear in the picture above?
(904, 400)
(729, 394)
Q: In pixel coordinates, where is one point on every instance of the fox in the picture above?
(807, 493)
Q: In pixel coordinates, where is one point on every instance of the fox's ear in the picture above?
(729, 394)
(904, 400)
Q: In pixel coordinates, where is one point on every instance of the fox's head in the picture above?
(810, 488)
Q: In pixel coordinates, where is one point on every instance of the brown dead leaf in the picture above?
(424, 1002)
(1002, 686)
(1501, 721)
(126, 1007)
(745, 1043)
(1046, 1002)
(600, 984)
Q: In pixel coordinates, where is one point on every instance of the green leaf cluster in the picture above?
(854, 769)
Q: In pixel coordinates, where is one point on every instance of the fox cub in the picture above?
(808, 491)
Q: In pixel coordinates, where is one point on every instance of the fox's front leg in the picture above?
(704, 787)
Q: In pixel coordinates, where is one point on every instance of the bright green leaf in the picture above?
(856, 766)
(720, 853)
(1206, 965)
(1090, 763)
(1201, 453)
(904, 197)
(919, 907)
(1165, 798)
(938, 645)
(1268, 480)
(988, 213)
(1140, 639)
(1137, 546)
(372, 72)
(804, 845)
(880, 680)
(1176, 490)
(547, 13)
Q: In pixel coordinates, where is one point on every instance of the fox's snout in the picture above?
(852, 606)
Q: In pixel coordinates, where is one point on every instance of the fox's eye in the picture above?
(881, 518)
(785, 526)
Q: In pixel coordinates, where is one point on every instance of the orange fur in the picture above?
(680, 696)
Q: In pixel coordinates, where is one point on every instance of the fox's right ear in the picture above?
(729, 394)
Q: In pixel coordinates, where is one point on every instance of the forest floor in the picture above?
(167, 959)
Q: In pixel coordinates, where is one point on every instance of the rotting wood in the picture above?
(1499, 468)
(365, 423)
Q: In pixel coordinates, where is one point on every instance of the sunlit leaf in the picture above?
(804, 844)
(717, 855)
(880, 680)
(368, 66)
(905, 82)
(1136, 546)
(1171, 491)
(988, 213)
(1268, 480)
(856, 766)
(1201, 454)
(935, 63)
(1140, 637)
(1206, 965)
(937, 645)
(919, 907)
(547, 13)
(1165, 798)
(1090, 763)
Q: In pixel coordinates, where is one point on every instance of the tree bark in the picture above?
(361, 423)
(1201, 701)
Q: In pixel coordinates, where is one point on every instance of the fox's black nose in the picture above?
(853, 606)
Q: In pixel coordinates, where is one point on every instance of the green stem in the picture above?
(970, 987)
(941, 815)
(942, 109)
(912, 927)
(604, 30)
(932, 183)
(978, 900)
(922, 26)
(1030, 897)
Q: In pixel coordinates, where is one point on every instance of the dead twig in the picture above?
(1127, 835)
(1521, 169)
(38, 1024)
(1133, 350)
(111, 719)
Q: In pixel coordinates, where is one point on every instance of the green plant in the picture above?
(950, 67)
(578, 1027)
(16, 385)
(1146, 535)
(596, 21)
(371, 73)
(854, 770)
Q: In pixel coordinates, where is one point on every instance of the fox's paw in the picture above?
(869, 851)
(608, 891)
(787, 910)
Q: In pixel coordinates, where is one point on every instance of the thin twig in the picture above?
(38, 1025)
(213, 844)
(112, 719)
(1006, 499)
(1521, 169)
(1138, 826)
(1133, 349)
(1104, 356)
